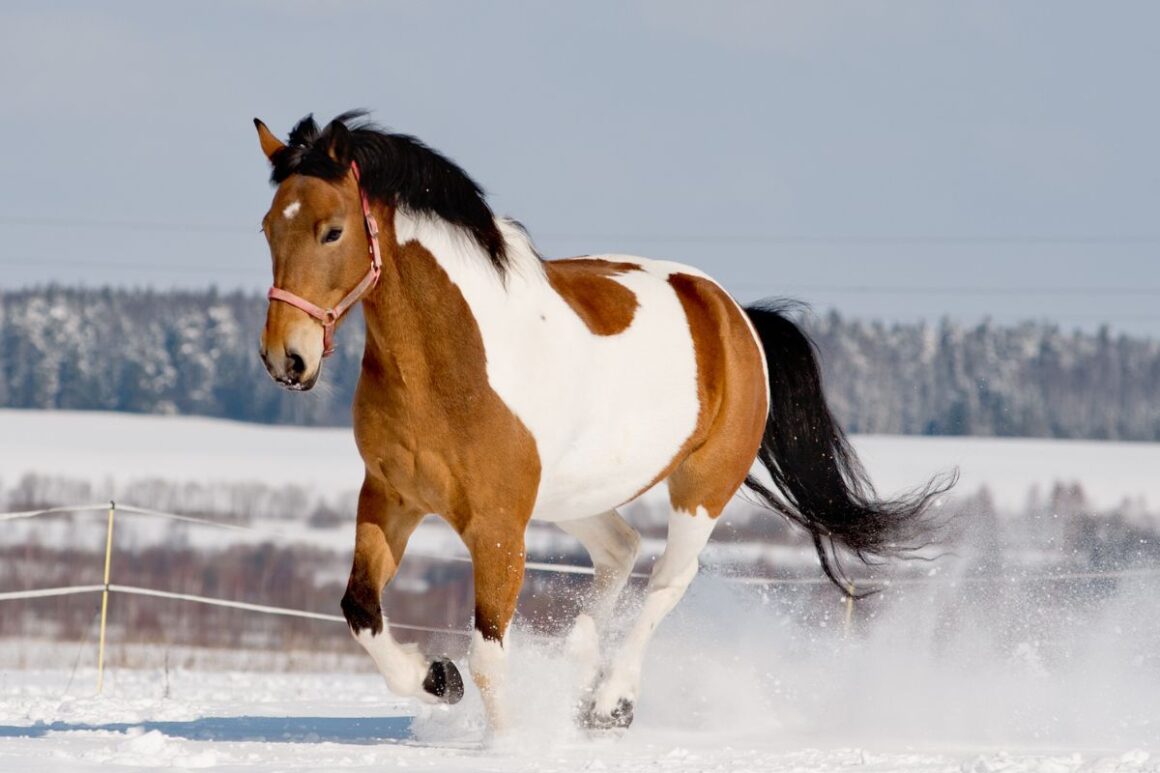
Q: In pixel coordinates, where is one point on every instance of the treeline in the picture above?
(195, 352)
(1028, 380)
(178, 352)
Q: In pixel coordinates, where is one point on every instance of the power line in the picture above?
(863, 241)
(1111, 291)
(152, 267)
(125, 225)
(973, 290)
(259, 271)
(709, 239)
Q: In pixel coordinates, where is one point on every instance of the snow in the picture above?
(937, 677)
(1109, 471)
(117, 448)
(730, 686)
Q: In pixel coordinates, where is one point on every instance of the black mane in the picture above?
(395, 168)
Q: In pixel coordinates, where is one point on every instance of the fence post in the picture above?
(105, 598)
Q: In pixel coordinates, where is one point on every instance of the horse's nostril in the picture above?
(295, 366)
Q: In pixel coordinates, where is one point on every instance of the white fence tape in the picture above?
(265, 609)
(133, 590)
(107, 587)
(176, 517)
(534, 566)
(41, 593)
(101, 507)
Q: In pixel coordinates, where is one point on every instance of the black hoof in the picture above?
(619, 719)
(444, 682)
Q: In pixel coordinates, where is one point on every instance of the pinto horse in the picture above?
(498, 387)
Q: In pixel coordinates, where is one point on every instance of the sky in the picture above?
(894, 160)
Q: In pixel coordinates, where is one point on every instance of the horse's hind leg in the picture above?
(615, 697)
(384, 526)
(613, 545)
(732, 392)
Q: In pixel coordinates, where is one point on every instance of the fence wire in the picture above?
(537, 566)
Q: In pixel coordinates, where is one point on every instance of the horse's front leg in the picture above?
(497, 556)
(384, 526)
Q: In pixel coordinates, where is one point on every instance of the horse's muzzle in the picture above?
(290, 370)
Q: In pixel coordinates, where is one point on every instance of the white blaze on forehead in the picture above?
(291, 209)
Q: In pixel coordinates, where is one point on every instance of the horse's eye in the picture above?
(332, 235)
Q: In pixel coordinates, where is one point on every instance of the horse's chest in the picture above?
(444, 445)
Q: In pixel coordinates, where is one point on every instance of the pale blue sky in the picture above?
(890, 159)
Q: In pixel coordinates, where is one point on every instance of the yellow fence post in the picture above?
(105, 599)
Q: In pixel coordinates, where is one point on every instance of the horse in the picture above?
(499, 387)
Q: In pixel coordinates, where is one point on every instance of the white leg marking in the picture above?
(583, 650)
(613, 545)
(291, 209)
(488, 661)
(402, 665)
(688, 534)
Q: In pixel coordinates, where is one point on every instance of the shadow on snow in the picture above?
(349, 730)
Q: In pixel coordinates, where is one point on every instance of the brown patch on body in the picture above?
(713, 461)
(586, 284)
(432, 431)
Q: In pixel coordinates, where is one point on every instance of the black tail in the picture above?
(821, 483)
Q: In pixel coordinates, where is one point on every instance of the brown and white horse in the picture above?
(498, 387)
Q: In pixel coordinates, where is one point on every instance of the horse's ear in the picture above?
(270, 143)
(339, 147)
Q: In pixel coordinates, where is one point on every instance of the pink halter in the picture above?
(329, 317)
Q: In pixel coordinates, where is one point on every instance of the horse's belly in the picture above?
(588, 485)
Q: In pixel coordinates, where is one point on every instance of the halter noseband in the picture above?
(329, 317)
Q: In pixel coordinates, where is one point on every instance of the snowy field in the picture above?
(945, 677)
(115, 448)
(731, 686)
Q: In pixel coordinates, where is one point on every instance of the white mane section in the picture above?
(522, 254)
(455, 247)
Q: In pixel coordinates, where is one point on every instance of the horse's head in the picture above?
(320, 233)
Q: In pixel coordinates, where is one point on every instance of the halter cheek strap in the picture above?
(329, 317)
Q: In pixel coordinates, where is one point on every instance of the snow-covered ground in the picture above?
(253, 722)
(117, 448)
(942, 677)
(732, 685)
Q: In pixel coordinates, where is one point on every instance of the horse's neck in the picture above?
(434, 289)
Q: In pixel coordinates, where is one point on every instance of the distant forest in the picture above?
(195, 352)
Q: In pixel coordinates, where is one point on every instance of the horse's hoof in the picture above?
(619, 719)
(444, 681)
